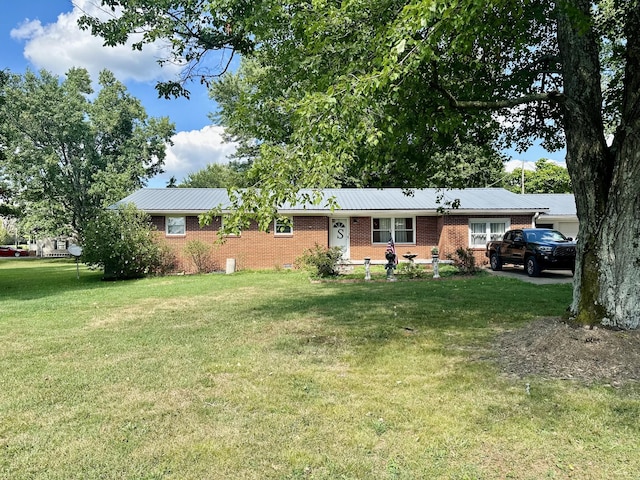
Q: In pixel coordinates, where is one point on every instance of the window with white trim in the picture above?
(175, 225)
(484, 230)
(283, 227)
(401, 229)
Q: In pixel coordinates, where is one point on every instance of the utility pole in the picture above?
(522, 179)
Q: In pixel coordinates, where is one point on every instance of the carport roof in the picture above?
(354, 200)
(559, 204)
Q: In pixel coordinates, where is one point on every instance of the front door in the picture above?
(339, 236)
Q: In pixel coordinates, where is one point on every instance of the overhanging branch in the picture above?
(506, 103)
(552, 96)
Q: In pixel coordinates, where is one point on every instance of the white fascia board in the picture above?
(371, 213)
(476, 213)
(405, 213)
(359, 213)
(175, 213)
(559, 217)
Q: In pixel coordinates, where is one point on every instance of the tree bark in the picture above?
(606, 179)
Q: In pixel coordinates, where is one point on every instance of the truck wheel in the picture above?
(533, 269)
(495, 262)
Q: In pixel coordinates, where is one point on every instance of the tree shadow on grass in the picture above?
(460, 303)
(43, 278)
(377, 313)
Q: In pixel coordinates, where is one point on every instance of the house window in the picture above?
(400, 229)
(283, 227)
(484, 230)
(176, 225)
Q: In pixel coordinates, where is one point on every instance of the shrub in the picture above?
(411, 270)
(322, 261)
(167, 260)
(465, 261)
(200, 254)
(123, 243)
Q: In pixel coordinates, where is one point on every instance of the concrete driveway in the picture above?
(547, 277)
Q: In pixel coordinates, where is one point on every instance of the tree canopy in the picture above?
(67, 155)
(379, 86)
(216, 175)
(255, 105)
(546, 178)
(7, 209)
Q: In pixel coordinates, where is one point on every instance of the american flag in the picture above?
(391, 247)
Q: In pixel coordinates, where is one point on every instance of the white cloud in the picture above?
(58, 46)
(192, 151)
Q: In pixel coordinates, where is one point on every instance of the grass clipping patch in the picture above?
(554, 349)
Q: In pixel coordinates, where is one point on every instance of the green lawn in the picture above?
(267, 375)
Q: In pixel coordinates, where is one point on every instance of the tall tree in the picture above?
(67, 155)
(6, 197)
(563, 71)
(256, 105)
(216, 175)
(546, 178)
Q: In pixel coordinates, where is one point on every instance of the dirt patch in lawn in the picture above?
(552, 348)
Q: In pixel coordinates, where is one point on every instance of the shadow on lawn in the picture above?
(375, 309)
(32, 280)
(406, 307)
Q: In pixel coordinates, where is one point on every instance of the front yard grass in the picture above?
(261, 375)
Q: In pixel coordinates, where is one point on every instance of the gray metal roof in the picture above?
(559, 204)
(370, 199)
(183, 200)
(199, 200)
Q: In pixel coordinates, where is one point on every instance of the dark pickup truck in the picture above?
(536, 248)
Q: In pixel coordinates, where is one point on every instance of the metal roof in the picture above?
(183, 200)
(559, 204)
(199, 200)
(370, 199)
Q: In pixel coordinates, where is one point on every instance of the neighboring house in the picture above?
(561, 215)
(52, 247)
(362, 224)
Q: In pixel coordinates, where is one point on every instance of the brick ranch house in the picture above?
(361, 225)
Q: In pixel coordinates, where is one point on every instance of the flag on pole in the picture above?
(391, 247)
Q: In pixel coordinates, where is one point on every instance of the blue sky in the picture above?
(43, 34)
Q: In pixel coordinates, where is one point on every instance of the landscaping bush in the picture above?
(123, 243)
(465, 261)
(321, 261)
(200, 254)
(411, 270)
(167, 260)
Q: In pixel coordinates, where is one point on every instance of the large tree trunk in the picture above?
(606, 179)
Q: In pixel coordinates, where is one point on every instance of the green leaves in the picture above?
(123, 244)
(217, 175)
(68, 156)
(547, 178)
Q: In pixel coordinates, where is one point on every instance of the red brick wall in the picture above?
(426, 237)
(252, 249)
(454, 233)
(259, 250)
